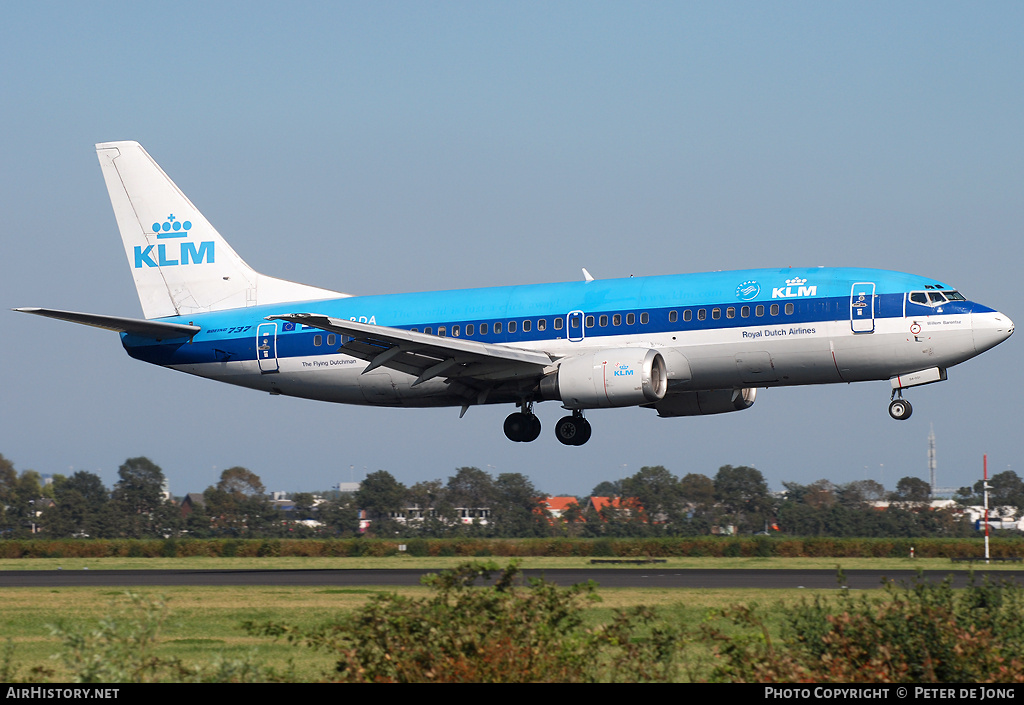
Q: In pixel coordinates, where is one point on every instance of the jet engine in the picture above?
(717, 401)
(608, 378)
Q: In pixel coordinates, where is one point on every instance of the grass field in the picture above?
(206, 622)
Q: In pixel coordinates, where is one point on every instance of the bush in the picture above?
(123, 648)
(924, 632)
(506, 632)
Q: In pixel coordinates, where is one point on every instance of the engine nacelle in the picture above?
(718, 401)
(608, 378)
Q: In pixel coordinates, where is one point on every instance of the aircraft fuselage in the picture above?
(722, 330)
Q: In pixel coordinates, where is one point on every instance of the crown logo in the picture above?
(172, 228)
(796, 282)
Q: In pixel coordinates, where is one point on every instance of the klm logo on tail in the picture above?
(186, 253)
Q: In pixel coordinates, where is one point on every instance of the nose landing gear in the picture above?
(899, 408)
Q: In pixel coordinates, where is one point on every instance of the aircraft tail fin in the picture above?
(180, 263)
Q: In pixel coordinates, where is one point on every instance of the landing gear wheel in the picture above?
(584, 431)
(572, 430)
(515, 426)
(900, 409)
(521, 427)
(566, 430)
(532, 430)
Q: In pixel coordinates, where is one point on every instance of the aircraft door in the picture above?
(574, 328)
(862, 307)
(266, 347)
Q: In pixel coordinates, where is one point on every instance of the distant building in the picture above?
(557, 505)
(191, 502)
(466, 515)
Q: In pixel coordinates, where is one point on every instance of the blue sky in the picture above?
(384, 147)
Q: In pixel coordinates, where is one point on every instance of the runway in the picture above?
(604, 577)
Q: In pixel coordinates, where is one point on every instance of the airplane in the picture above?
(680, 345)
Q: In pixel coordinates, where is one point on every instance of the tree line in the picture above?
(473, 503)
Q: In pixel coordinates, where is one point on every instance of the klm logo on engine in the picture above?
(794, 289)
(623, 371)
(165, 254)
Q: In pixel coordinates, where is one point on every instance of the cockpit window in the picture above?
(934, 298)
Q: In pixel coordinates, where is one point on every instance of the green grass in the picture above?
(205, 622)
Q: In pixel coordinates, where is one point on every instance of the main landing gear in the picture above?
(899, 408)
(522, 426)
(573, 430)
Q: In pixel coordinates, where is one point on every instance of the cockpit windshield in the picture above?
(935, 298)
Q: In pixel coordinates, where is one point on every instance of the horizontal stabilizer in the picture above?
(135, 326)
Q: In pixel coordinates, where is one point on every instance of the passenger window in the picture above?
(590, 321)
(602, 321)
(558, 323)
(415, 330)
(441, 331)
(701, 314)
(789, 309)
(429, 330)
(497, 327)
(687, 315)
(730, 312)
(455, 331)
(542, 324)
(716, 313)
(644, 318)
(630, 319)
(745, 311)
(673, 316)
(617, 319)
(759, 310)
(483, 329)
(331, 338)
(318, 340)
(511, 326)
(775, 310)
(470, 329)
(527, 326)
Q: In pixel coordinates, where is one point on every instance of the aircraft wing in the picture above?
(147, 329)
(428, 356)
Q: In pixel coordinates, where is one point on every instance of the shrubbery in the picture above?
(511, 630)
(123, 648)
(507, 632)
(717, 546)
(919, 633)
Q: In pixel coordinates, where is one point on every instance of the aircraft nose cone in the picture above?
(990, 329)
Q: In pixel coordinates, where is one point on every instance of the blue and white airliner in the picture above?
(681, 345)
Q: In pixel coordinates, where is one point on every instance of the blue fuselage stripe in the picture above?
(230, 336)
